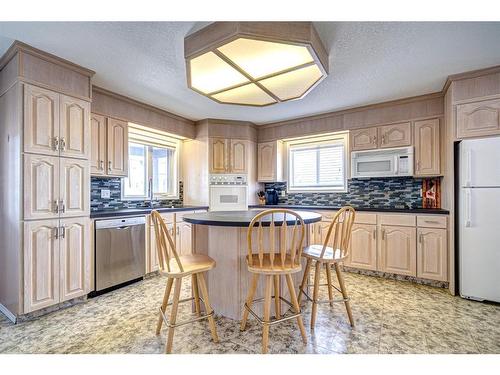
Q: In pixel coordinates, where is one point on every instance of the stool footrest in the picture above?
(274, 321)
(181, 323)
(326, 300)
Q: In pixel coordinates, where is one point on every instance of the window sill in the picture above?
(297, 191)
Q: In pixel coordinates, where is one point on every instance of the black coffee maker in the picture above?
(271, 197)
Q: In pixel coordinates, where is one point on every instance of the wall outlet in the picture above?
(105, 193)
(283, 193)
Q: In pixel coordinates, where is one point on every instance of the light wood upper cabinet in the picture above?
(395, 135)
(364, 139)
(397, 250)
(74, 133)
(238, 156)
(269, 161)
(74, 258)
(41, 264)
(218, 155)
(74, 189)
(478, 118)
(427, 148)
(432, 254)
(117, 148)
(98, 144)
(41, 187)
(363, 249)
(41, 121)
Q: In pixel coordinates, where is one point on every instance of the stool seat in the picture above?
(274, 268)
(330, 256)
(192, 263)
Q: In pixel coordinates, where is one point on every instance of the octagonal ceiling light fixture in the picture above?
(255, 63)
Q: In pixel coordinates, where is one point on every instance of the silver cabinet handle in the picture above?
(56, 206)
(101, 165)
(374, 140)
(374, 233)
(420, 238)
(418, 165)
(62, 205)
(56, 232)
(109, 165)
(55, 143)
(383, 139)
(431, 221)
(63, 144)
(63, 231)
(383, 234)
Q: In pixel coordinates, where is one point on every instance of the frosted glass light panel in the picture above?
(260, 58)
(293, 84)
(249, 94)
(209, 73)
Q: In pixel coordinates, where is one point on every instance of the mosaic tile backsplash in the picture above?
(115, 202)
(398, 192)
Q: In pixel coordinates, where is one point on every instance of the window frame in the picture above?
(149, 171)
(324, 139)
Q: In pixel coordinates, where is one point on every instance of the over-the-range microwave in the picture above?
(389, 162)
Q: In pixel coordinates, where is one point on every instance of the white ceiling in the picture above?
(370, 62)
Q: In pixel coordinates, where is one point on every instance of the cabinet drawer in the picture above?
(432, 221)
(404, 220)
(365, 218)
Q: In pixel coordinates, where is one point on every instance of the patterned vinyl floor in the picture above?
(391, 317)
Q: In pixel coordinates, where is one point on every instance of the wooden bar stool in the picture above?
(272, 265)
(177, 267)
(341, 228)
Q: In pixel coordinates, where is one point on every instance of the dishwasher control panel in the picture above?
(121, 222)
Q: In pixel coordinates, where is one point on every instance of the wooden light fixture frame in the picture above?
(217, 34)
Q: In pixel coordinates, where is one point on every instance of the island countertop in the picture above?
(243, 218)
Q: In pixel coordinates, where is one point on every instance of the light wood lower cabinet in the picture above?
(397, 250)
(363, 249)
(75, 258)
(185, 238)
(432, 254)
(56, 261)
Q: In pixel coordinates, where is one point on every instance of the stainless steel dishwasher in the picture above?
(119, 251)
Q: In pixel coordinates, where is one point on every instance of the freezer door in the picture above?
(479, 246)
(480, 162)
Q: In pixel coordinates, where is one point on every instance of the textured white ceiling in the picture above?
(370, 62)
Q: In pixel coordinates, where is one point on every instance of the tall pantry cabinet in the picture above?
(45, 170)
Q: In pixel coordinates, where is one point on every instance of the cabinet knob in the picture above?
(63, 144)
(55, 143)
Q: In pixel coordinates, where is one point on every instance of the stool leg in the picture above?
(277, 302)
(208, 307)
(340, 277)
(196, 293)
(315, 294)
(164, 304)
(173, 315)
(267, 313)
(305, 279)
(296, 307)
(251, 292)
(329, 281)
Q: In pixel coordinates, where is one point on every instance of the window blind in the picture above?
(150, 136)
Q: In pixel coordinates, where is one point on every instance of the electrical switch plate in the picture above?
(105, 193)
(282, 192)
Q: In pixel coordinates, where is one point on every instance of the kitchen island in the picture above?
(223, 236)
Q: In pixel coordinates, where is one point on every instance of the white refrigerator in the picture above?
(479, 219)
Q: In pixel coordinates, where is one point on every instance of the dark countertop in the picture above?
(141, 211)
(438, 211)
(243, 218)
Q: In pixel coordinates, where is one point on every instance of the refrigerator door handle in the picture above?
(469, 168)
(468, 209)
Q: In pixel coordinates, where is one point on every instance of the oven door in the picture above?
(374, 166)
(228, 198)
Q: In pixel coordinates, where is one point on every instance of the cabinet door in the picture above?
(398, 250)
(153, 251)
(238, 156)
(427, 145)
(41, 264)
(41, 187)
(186, 238)
(396, 135)
(74, 130)
(74, 190)
(432, 254)
(363, 249)
(75, 257)
(41, 121)
(218, 155)
(117, 148)
(97, 145)
(478, 119)
(363, 139)
(266, 161)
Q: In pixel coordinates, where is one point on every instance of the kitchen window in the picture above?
(317, 164)
(153, 164)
